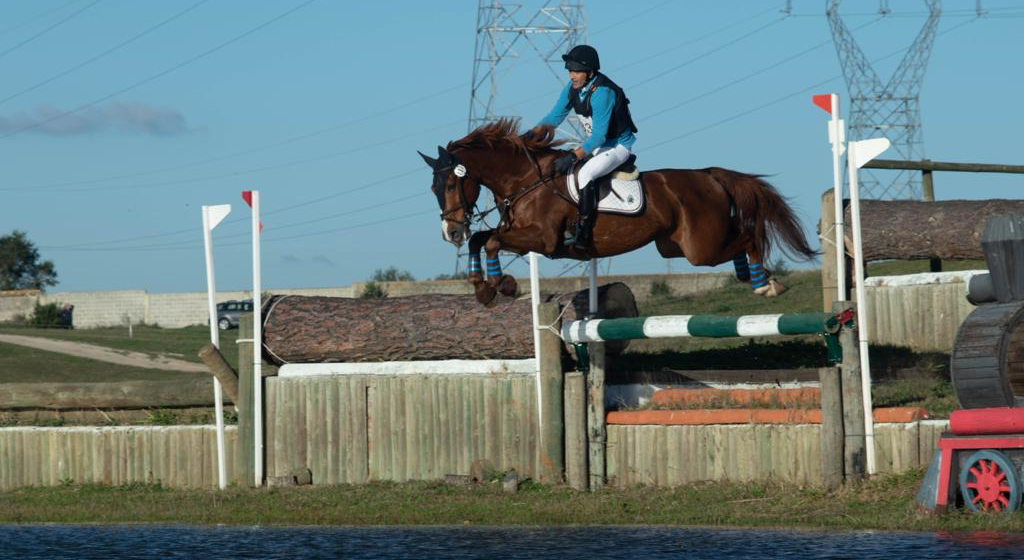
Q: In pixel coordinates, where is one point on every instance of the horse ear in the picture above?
(443, 156)
(430, 161)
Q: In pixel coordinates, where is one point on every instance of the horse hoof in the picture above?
(773, 288)
(485, 295)
(508, 286)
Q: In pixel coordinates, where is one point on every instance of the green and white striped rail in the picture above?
(710, 326)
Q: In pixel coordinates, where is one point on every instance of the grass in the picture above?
(20, 364)
(182, 343)
(883, 503)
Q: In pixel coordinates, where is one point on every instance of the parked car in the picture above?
(230, 312)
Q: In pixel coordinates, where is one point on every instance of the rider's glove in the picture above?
(564, 164)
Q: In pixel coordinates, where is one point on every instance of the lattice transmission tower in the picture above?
(501, 41)
(891, 109)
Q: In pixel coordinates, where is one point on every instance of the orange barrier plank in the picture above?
(704, 417)
(704, 397)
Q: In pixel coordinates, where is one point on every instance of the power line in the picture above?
(308, 135)
(787, 96)
(193, 246)
(749, 76)
(407, 173)
(275, 228)
(707, 53)
(104, 53)
(237, 173)
(162, 73)
(36, 17)
(47, 30)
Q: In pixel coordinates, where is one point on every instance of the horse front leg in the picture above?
(485, 290)
(521, 241)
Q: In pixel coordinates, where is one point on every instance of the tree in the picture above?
(375, 288)
(20, 267)
(392, 274)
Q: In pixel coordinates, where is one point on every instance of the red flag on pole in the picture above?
(824, 101)
(247, 197)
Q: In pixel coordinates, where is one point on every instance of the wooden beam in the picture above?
(223, 371)
(928, 165)
(552, 434)
(171, 393)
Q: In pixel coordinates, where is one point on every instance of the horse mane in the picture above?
(505, 132)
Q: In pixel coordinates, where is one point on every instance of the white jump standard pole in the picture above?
(534, 305)
(837, 138)
(860, 153)
(257, 341)
(212, 215)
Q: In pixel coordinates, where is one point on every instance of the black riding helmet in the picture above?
(582, 58)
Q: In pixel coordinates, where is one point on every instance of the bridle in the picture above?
(440, 183)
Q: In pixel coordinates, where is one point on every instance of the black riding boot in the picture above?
(588, 215)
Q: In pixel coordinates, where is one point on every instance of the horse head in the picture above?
(456, 190)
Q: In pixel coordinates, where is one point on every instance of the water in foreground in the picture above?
(56, 542)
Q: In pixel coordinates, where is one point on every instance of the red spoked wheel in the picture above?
(989, 481)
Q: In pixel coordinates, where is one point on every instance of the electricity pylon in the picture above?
(891, 110)
(550, 32)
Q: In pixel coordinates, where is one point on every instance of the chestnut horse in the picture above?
(709, 216)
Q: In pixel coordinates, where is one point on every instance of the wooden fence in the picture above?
(354, 429)
(675, 455)
(178, 456)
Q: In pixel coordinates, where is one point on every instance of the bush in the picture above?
(457, 276)
(779, 268)
(660, 288)
(49, 315)
(374, 290)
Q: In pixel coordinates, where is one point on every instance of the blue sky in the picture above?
(322, 110)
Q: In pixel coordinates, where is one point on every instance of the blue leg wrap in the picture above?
(474, 265)
(758, 277)
(742, 269)
(493, 267)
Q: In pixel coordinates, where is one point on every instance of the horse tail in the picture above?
(764, 215)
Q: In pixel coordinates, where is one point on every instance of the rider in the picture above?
(603, 110)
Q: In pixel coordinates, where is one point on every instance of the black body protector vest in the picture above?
(621, 120)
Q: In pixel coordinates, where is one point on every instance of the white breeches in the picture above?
(604, 160)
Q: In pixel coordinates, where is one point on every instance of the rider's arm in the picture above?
(601, 103)
(560, 110)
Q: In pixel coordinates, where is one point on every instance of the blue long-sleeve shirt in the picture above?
(601, 104)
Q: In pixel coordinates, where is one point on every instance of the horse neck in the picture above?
(501, 170)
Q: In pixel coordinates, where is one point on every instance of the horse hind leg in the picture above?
(761, 280)
(742, 268)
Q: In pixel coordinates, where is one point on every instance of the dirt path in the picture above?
(93, 352)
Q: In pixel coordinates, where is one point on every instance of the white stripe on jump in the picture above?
(581, 331)
(758, 325)
(667, 326)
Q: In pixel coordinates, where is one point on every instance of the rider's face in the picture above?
(579, 79)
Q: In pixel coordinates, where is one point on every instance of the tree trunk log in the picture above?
(300, 329)
(221, 369)
(910, 229)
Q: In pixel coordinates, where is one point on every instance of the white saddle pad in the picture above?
(620, 197)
